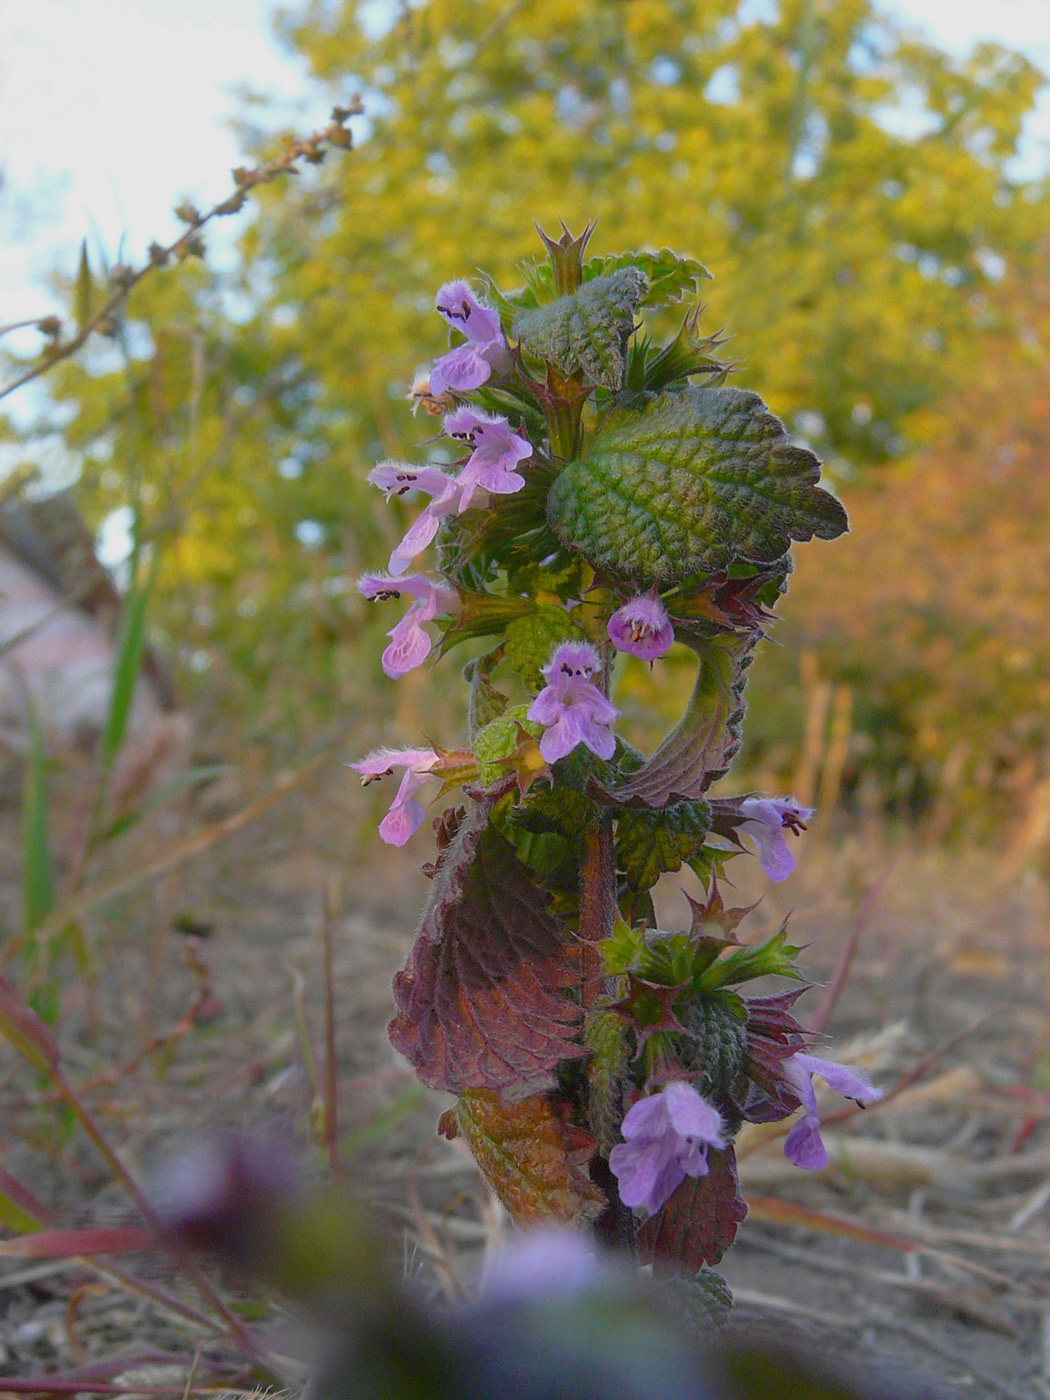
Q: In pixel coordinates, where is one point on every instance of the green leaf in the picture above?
(651, 843)
(128, 663)
(37, 876)
(671, 276)
(84, 295)
(605, 1037)
(700, 747)
(531, 641)
(705, 1302)
(773, 958)
(693, 481)
(716, 1043)
(486, 702)
(585, 335)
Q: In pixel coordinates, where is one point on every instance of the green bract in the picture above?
(585, 335)
(693, 481)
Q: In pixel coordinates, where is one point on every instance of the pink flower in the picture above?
(484, 352)
(406, 814)
(497, 451)
(667, 1139)
(803, 1145)
(642, 627)
(409, 644)
(395, 479)
(573, 710)
(766, 819)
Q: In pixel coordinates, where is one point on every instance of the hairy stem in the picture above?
(615, 1226)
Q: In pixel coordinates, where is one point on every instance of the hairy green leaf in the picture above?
(695, 480)
(585, 335)
(651, 843)
(531, 641)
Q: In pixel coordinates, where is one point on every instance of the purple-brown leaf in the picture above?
(699, 1222)
(483, 1001)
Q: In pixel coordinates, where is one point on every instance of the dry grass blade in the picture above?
(85, 900)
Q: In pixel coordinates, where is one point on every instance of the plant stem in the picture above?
(615, 1226)
(597, 906)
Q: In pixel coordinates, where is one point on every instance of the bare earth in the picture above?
(951, 978)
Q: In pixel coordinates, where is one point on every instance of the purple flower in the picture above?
(668, 1136)
(642, 627)
(497, 451)
(405, 813)
(395, 479)
(409, 644)
(766, 819)
(574, 710)
(803, 1145)
(484, 352)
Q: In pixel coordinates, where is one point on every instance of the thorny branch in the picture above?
(189, 243)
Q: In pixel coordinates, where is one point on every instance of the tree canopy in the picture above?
(852, 189)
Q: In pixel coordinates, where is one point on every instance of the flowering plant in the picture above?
(611, 495)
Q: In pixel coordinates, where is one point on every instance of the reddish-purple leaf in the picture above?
(25, 1030)
(773, 1036)
(67, 1244)
(701, 746)
(483, 1001)
(699, 1222)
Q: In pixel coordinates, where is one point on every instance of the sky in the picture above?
(112, 110)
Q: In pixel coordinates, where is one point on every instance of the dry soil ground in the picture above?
(950, 981)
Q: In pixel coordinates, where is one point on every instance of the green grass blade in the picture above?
(126, 669)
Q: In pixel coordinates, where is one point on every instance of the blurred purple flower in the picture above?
(225, 1193)
(803, 1145)
(484, 352)
(642, 627)
(409, 644)
(541, 1262)
(766, 820)
(573, 710)
(667, 1139)
(497, 451)
(406, 814)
